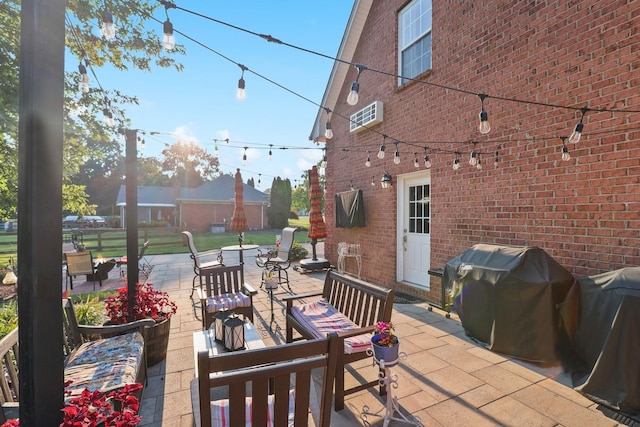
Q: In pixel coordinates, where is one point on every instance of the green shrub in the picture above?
(293, 215)
(8, 317)
(298, 251)
(90, 311)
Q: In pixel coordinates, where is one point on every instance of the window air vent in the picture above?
(369, 116)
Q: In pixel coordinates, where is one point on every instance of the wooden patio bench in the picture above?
(349, 306)
(101, 358)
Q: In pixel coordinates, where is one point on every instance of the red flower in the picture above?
(149, 304)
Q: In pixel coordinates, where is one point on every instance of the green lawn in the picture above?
(166, 243)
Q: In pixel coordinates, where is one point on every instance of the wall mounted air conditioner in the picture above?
(369, 116)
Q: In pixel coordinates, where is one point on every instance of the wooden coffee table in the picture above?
(205, 340)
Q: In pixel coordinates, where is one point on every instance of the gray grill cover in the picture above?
(506, 298)
(602, 316)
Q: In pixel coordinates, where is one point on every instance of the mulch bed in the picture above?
(7, 292)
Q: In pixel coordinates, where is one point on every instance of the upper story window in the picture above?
(414, 39)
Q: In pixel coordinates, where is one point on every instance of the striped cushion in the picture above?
(228, 301)
(220, 411)
(321, 318)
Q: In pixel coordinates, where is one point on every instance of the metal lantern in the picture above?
(233, 333)
(218, 324)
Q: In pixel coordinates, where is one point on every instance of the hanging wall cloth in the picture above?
(350, 209)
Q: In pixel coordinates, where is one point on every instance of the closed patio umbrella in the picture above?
(239, 221)
(317, 227)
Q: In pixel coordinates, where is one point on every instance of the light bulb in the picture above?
(456, 164)
(352, 99)
(108, 117)
(381, 152)
(107, 29)
(427, 162)
(484, 126)
(241, 94)
(84, 78)
(576, 134)
(270, 155)
(396, 157)
(215, 150)
(368, 162)
(373, 183)
(479, 165)
(416, 163)
(328, 133)
(323, 165)
(244, 160)
(473, 160)
(168, 41)
(565, 153)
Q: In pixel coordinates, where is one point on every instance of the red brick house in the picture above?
(205, 208)
(540, 64)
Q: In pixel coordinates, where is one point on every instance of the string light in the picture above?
(456, 162)
(353, 97)
(381, 150)
(478, 162)
(427, 161)
(241, 94)
(107, 29)
(270, 152)
(416, 164)
(473, 160)
(168, 41)
(259, 175)
(328, 133)
(367, 163)
(574, 138)
(495, 160)
(484, 127)
(373, 183)
(244, 157)
(323, 165)
(565, 151)
(84, 78)
(396, 155)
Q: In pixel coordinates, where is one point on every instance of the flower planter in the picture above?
(157, 341)
(388, 354)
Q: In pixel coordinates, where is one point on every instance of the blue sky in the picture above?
(199, 104)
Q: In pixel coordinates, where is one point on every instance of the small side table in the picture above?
(390, 381)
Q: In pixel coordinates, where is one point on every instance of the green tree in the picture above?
(135, 46)
(189, 164)
(280, 206)
(300, 196)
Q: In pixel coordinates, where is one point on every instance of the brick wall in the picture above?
(584, 212)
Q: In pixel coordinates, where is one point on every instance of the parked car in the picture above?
(83, 221)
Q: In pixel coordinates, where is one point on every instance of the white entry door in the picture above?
(414, 252)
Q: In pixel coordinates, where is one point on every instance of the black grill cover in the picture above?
(506, 298)
(602, 317)
(350, 209)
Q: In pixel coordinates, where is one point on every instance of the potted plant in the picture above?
(149, 304)
(385, 343)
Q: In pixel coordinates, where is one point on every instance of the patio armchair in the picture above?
(278, 259)
(144, 266)
(220, 288)
(81, 263)
(198, 257)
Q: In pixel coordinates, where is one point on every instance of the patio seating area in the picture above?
(446, 378)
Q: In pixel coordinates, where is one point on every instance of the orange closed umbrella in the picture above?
(239, 221)
(317, 227)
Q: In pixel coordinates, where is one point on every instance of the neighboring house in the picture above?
(584, 212)
(205, 208)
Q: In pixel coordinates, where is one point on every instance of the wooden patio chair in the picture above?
(270, 372)
(222, 288)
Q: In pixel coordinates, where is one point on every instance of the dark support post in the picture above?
(41, 98)
(131, 198)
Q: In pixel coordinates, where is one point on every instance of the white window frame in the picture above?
(411, 21)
